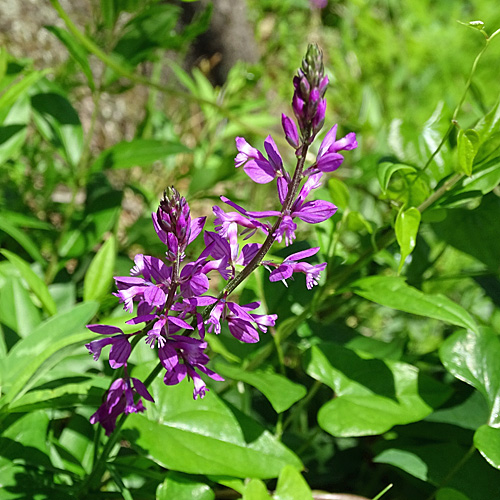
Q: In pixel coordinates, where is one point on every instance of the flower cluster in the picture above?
(171, 299)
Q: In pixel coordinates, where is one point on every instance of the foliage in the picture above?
(386, 373)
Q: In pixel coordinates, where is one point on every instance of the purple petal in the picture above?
(176, 375)
(291, 132)
(273, 153)
(196, 228)
(283, 272)
(282, 186)
(329, 162)
(328, 141)
(120, 352)
(141, 319)
(347, 143)
(104, 329)
(141, 390)
(302, 255)
(168, 357)
(180, 322)
(315, 211)
(248, 253)
(244, 331)
(155, 296)
(260, 171)
(219, 246)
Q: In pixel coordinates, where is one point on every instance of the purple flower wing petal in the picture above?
(273, 153)
(302, 255)
(175, 376)
(260, 171)
(329, 162)
(120, 352)
(104, 329)
(196, 228)
(168, 356)
(141, 390)
(328, 141)
(155, 296)
(244, 331)
(283, 272)
(180, 322)
(315, 211)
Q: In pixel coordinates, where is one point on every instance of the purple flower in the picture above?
(292, 265)
(223, 220)
(291, 132)
(329, 158)
(120, 347)
(120, 399)
(191, 352)
(255, 164)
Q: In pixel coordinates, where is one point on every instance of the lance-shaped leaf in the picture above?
(100, 272)
(394, 292)
(407, 224)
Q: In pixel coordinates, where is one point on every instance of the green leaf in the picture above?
(76, 50)
(49, 342)
(100, 272)
(338, 192)
(223, 440)
(16, 90)
(394, 292)
(474, 359)
(292, 486)
(281, 392)
(404, 460)
(487, 441)
(450, 494)
(460, 224)
(488, 129)
(35, 283)
(386, 170)
(182, 487)
(485, 178)
(17, 310)
(139, 152)
(356, 222)
(468, 144)
(23, 239)
(407, 224)
(371, 395)
(58, 122)
(14, 130)
(256, 490)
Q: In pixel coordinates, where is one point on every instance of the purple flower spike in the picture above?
(120, 399)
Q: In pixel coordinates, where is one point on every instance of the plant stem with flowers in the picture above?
(171, 296)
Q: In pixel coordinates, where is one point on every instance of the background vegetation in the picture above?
(388, 373)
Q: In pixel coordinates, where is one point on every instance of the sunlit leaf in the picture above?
(407, 224)
(100, 272)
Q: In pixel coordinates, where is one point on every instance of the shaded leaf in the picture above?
(386, 170)
(394, 292)
(487, 441)
(281, 392)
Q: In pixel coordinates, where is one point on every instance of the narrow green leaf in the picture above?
(468, 144)
(487, 441)
(139, 152)
(50, 341)
(281, 392)
(407, 224)
(100, 272)
(292, 486)
(484, 179)
(36, 284)
(371, 395)
(224, 441)
(394, 292)
(76, 50)
(16, 90)
(23, 239)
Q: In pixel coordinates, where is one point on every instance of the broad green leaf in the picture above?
(139, 152)
(386, 170)
(36, 284)
(58, 121)
(223, 440)
(394, 292)
(16, 90)
(468, 144)
(281, 392)
(17, 310)
(407, 224)
(484, 179)
(179, 486)
(100, 272)
(404, 460)
(487, 441)
(450, 494)
(23, 239)
(371, 395)
(488, 129)
(49, 342)
(292, 486)
(474, 359)
(481, 223)
(76, 50)
(256, 490)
